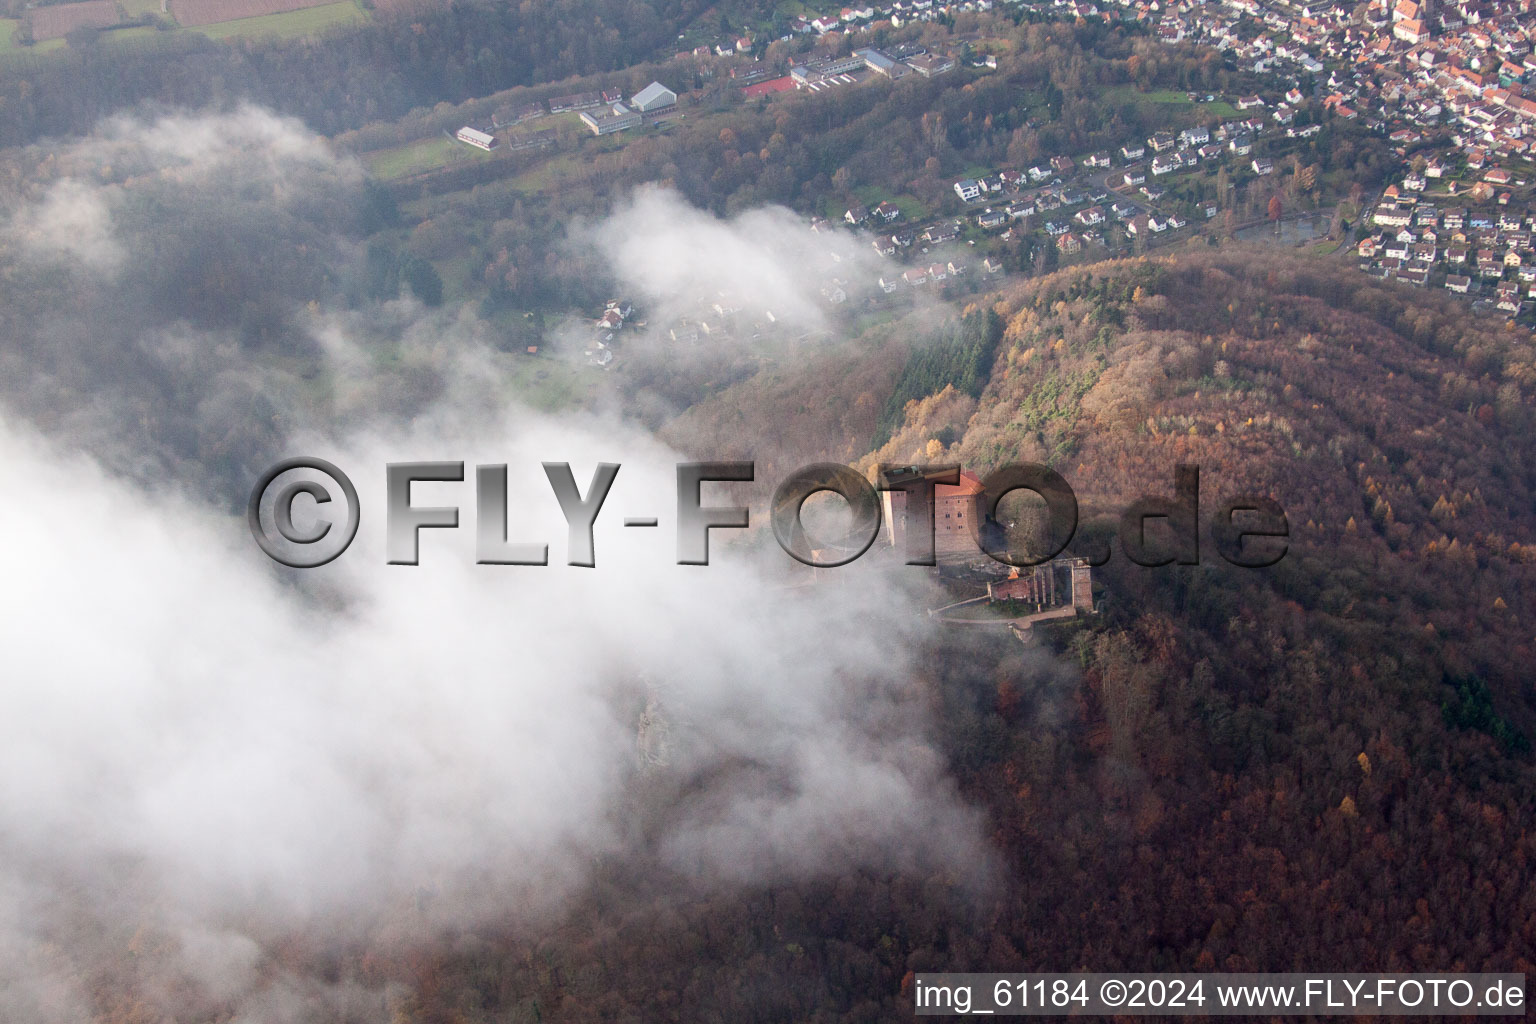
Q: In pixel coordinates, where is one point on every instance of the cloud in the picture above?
(713, 296)
(681, 260)
(157, 280)
(208, 754)
(73, 220)
(255, 757)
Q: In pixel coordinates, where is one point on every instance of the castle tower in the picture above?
(1082, 585)
(957, 512)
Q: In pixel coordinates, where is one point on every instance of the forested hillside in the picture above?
(1230, 769)
(1326, 764)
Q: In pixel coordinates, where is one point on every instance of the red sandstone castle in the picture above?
(957, 515)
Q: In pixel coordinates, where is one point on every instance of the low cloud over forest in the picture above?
(209, 754)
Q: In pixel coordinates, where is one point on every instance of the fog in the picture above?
(679, 260)
(206, 753)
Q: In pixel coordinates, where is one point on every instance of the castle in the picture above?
(957, 516)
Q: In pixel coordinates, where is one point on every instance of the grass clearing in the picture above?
(870, 195)
(1130, 95)
(460, 277)
(419, 157)
(8, 46)
(1163, 96)
(993, 44)
(543, 175)
(873, 195)
(794, 9)
(911, 209)
(549, 384)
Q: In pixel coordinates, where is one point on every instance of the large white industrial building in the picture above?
(475, 137)
(654, 97)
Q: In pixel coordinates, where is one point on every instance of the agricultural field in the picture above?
(197, 13)
(400, 5)
(292, 19)
(59, 20)
(288, 24)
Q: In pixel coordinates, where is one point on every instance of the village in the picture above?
(1473, 240)
(1442, 82)
(1446, 82)
(1101, 205)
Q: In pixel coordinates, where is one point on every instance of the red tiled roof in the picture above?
(768, 88)
(969, 484)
